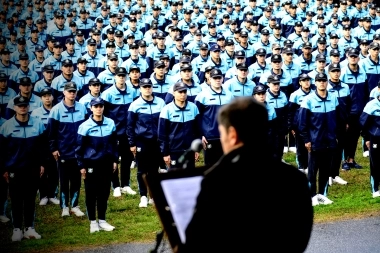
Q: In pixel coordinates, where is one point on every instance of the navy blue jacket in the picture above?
(208, 103)
(370, 119)
(178, 127)
(62, 128)
(142, 122)
(22, 145)
(317, 120)
(117, 104)
(96, 142)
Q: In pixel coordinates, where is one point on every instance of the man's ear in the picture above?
(233, 136)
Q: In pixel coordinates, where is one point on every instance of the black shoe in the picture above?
(355, 165)
(346, 166)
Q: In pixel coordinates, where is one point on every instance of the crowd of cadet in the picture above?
(89, 89)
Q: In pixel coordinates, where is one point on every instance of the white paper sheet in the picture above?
(181, 195)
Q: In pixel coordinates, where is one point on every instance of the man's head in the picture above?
(180, 92)
(234, 132)
(21, 105)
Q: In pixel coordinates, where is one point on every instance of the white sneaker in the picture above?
(162, 171)
(77, 211)
(133, 164)
(376, 194)
(286, 150)
(128, 190)
(105, 226)
(30, 233)
(323, 200)
(314, 200)
(94, 227)
(4, 218)
(116, 192)
(151, 201)
(65, 211)
(339, 180)
(17, 235)
(330, 181)
(55, 201)
(366, 153)
(43, 201)
(143, 201)
(293, 150)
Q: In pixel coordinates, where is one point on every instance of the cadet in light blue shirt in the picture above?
(25, 87)
(208, 101)
(215, 60)
(6, 66)
(6, 94)
(286, 84)
(23, 71)
(23, 149)
(239, 85)
(59, 30)
(55, 60)
(60, 81)
(107, 77)
(45, 82)
(83, 74)
(94, 86)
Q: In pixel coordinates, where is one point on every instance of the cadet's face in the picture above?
(260, 97)
(146, 90)
(47, 99)
(25, 89)
(70, 95)
(321, 85)
(94, 88)
(274, 87)
(21, 109)
(3, 84)
(97, 110)
(48, 75)
(186, 74)
(305, 83)
(120, 78)
(334, 75)
(134, 74)
(180, 95)
(216, 82)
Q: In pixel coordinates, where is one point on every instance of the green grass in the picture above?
(134, 224)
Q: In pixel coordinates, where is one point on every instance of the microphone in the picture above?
(196, 146)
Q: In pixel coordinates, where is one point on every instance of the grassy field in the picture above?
(134, 224)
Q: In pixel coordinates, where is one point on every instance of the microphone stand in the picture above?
(159, 237)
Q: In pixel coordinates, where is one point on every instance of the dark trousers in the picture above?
(49, 180)
(3, 195)
(302, 154)
(353, 134)
(148, 158)
(279, 151)
(290, 140)
(213, 152)
(374, 154)
(320, 161)
(23, 191)
(70, 182)
(97, 187)
(337, 158)
(125, 164)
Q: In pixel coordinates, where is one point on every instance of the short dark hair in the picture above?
(252, 132)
